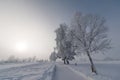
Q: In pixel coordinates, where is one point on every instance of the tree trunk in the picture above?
(92, 64)
(64, 61)
(67, 61)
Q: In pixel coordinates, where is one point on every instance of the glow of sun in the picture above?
(21, 46)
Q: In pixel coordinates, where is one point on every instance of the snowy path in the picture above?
(64, 73)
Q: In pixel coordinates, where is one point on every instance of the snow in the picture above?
(58, 71)
(106, 70)
(65, 73)
(81, 74)
(35, 71)
(9, 65)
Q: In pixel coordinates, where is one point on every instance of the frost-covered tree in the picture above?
(34, 58)
(12, 58)
(64, 44)
(90, 33)
(53, 56)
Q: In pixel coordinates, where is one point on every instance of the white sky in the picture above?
(33, 22)
(21, 23)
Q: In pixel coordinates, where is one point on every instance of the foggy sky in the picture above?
(34, 22)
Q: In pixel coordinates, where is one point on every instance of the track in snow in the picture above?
(64, 73)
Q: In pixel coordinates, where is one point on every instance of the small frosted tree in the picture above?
(12, 59)
(53, 56)
(90, 34)
(34, 58)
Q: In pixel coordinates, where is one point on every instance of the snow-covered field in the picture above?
(27, 71)
(109, 70)
(9, 65)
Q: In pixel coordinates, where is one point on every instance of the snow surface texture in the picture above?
(9, 65)
(36, 71)
(59, 71)
(106, 71)
(63, 72)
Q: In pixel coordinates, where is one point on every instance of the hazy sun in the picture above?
(21, 46)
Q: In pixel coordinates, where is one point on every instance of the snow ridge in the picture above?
(49, 73)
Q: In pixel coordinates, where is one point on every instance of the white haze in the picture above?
(33, 23)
